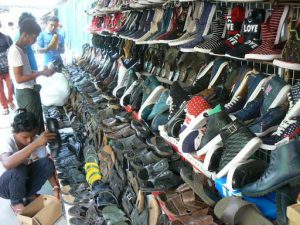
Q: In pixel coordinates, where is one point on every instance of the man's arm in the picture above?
(20, 78)
(40, 44)
(10, 161)
(61, 48)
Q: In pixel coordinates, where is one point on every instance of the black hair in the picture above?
(25, 15)
(54, 19)
(24, 121)
(29, 26)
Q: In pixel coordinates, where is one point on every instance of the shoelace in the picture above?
(232, 102)
(283, 126)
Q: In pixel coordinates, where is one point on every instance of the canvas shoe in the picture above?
(213, 40)
(190, 25)
(194, 121)
(275, 93)
(239, 91)
(163, 26)
(158, 15)
(181, 14)
(203, 26)
(233, 25)
(290, 54)
(161, 105)
(239, 144)
(151, 93)
(177, 97)
(251, 32)
(145, 27)
(141, 24)
(270, 36)
(216, 119)
(269, 122)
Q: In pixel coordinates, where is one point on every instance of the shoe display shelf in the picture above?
(265, 203)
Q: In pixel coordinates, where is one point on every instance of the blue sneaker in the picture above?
(251, 110)
(158, 120)
(160, 106)
(268, 122)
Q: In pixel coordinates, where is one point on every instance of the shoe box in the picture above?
(44, 210)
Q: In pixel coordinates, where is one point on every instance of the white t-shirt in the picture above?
(16, 58)
(9, 145)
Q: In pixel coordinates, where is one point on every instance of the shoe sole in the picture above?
(286, 65)
(262, 57)
(180, 42)
(213, 143)
(187, 50)
(243, 155)
(281, 97)
(267, 131)
(233, 57)
(203, 50)
(153, 97)
(292, 181)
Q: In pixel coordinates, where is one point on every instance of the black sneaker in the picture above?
(251, 32)
(177, 97)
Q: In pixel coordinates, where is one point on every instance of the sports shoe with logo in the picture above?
(239, 143)
(290, 54)
(215, 121)
(203, 26)
(275, 93)
(233, 25)
(251, 33)
(214, 39)
(269, 49)
(293, 97)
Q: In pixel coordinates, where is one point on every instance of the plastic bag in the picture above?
(55, 89)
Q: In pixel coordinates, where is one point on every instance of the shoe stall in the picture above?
(183, 112)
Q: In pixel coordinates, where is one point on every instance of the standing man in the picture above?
(50, 42)
(5, 43)
(27, 91)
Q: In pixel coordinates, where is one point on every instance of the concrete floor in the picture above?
(6, 214)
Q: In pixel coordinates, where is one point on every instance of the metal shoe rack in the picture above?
(266, 203)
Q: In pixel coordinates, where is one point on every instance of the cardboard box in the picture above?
(44, 210)
(293, 213)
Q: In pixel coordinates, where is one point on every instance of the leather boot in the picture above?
(284, 169)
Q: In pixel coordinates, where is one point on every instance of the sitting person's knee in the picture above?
(47, 164)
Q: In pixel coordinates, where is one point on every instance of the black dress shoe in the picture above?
(284, 169)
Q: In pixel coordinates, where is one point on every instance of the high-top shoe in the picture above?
(190, 26)
(239, 144)
(216, 120)
(238, 91)
(203, 26)
(284, 168)
(161, 105)
(251, 33)
(177, 97)
(290, 54)
(268, 122)
(234, 25)
(194, 121)
(214, 39)
(270, 36)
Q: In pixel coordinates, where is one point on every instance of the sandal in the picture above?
(17, 210)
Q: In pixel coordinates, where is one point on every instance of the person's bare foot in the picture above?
(18, 208)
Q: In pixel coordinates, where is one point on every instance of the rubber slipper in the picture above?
(236, 211)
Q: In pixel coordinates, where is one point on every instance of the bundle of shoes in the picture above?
(137, 110)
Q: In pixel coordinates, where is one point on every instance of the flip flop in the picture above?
(236, 211)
